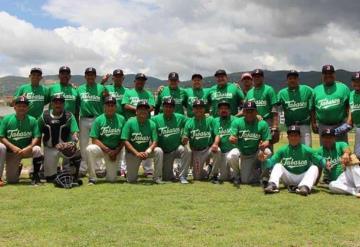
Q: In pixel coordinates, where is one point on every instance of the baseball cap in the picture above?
(110, 99)
(64, 69)
(224, 102)
(249, 105)
(58, 97)
(328, 68)
(90, 70)
(293, 129)
(328, 132)
(292, 73)
(220, 72)
(22, 100)
(196, 76)
(173, 76)
(36, 69)
(355, 76)
(140, 76)
(142, 103)
(118, 72)
(246, 75)
(257, 72)
(198, 103)
(169, 101)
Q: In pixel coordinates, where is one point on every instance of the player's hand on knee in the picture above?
(214, 148)
(328, 165)
(233, 139)
(185, 140)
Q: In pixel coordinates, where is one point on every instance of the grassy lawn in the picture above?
(201, 214)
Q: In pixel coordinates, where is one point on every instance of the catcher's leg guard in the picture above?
(37, 162)
(50, 179)
(75, 162)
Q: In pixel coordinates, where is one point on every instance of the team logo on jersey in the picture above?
(17, 135)
(192, 99)
(220, 95)
(354, 107)
(327, 103)
(108, 131)
(34, 97)
(224, 131)
(291, 163)
(66, 96)
(197, 134)
(166, 132)
(89, 97)
(248, 136)
(178, 101)
(116, 95)
(293, 105)
(333, 162)
(259, 102)
(139, 138)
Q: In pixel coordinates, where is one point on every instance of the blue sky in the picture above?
(31, 11)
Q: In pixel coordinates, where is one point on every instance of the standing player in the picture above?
(106, 141)
(252, 137)
(224, 90)
(19, 132)
(2, 159)
(91, 96)
(296, 102)
(36, 94)
(296, 164)
(246, 83)
(66, 89)
(198, 132)
(330, 104)
(354, 115)
(197, 91)
(140, 138)
(58, 126)
(173, 91)
(169, 126)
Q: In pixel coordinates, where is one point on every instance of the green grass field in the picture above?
(201, 214)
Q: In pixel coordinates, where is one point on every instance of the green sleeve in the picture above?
(73, 125)
(183, 120)
(40, 122)
(35, 128)
(311, 99)
(2, 127)
(154, 135)
(276, 158)
(344, 146)
(239, 94)
(126, 131)
(208, 96)
(265, 132)
(187, 128)
(46, 95)
(185, 101)
(272, 95)
(234, 127)
(125, 100)
(316, 159)
(151, 99)
(94, 132)
(18, 92)
(215, 128)
(122, 120)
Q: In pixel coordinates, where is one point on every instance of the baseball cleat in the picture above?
(214, 180)
(303, 190)
(292, 188)
(271, 188)
(92, 181)
(158, 181)
(183, 180)
(236, 181)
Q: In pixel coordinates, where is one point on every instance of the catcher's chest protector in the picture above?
(55, 130)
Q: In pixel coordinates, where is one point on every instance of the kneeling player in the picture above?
(20, 135)
(140, 139)
(105, 135)
(60, 130)
(296, 164)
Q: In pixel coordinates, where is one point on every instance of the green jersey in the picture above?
(334, 156)
(169, 131)
(179, 95)
(354, 102)
(222, 128)
(132, 97)
(297, 104)
(68, 92)
(140, 135)
(230, 92)
(250, 134)
(331, 102)
(118, 94)
(38, 97)
(264, 98)
(192, 95)
(296, 159)
(108, 130)
(19, 132)
(200, 132)
(91, 99)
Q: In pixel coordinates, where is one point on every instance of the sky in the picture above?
(156, 37)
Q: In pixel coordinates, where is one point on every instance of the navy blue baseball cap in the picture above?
(22, 100)
(142, 103)
(58, 97)
(220, 72)
(169, 101)
(65, 69)
(293, 129)
(36, 70)
(257, 72)
(140, 76)
(118, 72)
(90, 70)
(328, 132)
(328, 68)
(355, 76)
(292, 73)
(198, 103)
(249, 105)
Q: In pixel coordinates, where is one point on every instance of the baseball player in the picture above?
(129, 102)
(2, 159)
(354, 115)
(66, 89)
(335, 153)
(295, 164)
(173, 91)
(58, 126)
(224, 90)
(19, 132)
(106, 141)
(222, 130)
(246, 82)
(198, 132)
(330, 104)
(265, 98)
(197, 91)
(36, 94)
(252, 137)
(296, 102)
(91, 97)
(140, 138)
(169, 127)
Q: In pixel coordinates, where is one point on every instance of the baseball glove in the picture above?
(68, 149)
(275, 135)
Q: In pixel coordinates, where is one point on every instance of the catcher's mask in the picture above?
(64, 180)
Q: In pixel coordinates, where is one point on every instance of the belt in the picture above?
(87, 116)
(199, 149)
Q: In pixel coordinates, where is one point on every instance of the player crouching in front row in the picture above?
(296, 164)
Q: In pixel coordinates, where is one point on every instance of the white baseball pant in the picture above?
(348, 182)
(228, 160)
(2, 158)
(51, 161)
(85, 127)
(357, 142)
